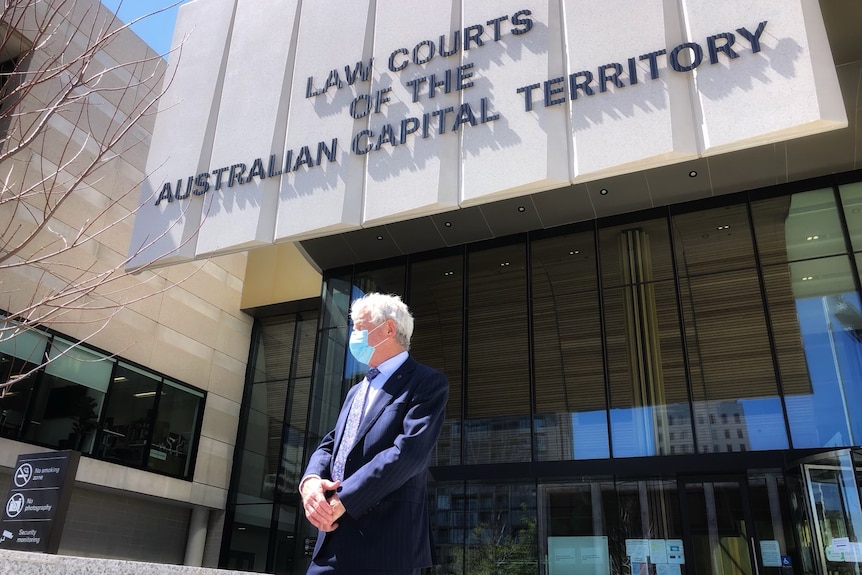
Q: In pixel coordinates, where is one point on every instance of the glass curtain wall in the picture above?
(263, 532)
(691, 334)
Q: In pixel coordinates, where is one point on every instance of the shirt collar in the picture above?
(387, 368)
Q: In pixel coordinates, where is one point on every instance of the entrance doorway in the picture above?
(827, 501)
(692, 525)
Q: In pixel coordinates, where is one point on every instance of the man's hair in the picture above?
(381, 307)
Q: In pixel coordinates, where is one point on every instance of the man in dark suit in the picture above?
(365, 487)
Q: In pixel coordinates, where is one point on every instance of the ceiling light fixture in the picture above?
(522, 209)
(379, 238)
(447, 224)
(603, 191)
(692, 174)
(810, 238)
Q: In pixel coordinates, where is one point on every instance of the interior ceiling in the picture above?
(831, 152)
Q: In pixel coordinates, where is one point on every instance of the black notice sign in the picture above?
(35, 510)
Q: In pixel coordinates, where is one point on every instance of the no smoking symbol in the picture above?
(23, 475)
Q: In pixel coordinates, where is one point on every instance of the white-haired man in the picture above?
(365, 487)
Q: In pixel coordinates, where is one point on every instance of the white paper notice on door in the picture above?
(770, 552)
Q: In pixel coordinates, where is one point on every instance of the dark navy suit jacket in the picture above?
(386, 525)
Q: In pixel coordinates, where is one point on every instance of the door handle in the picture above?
(754, 555)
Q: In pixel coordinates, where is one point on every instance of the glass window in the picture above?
(288, 555)
(126, 426)
(571, 408)
(563, 264)
(709, 241)
(176, 426)
(818, 325)
(498, 392)
(448, 514)
(336, 299)
(730, 358)
(635, 252)
(296, 428)
(21, 354)
(68, 401)
(645, 369)
(25, 344)
(389, 279)
(14, 399)
(87, 401)
(437, 302)
(249, 540)
(851, 202)
(644, 510)
(797, 227)
(273, 359)
(501, 529)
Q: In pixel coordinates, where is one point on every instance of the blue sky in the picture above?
(156, 30)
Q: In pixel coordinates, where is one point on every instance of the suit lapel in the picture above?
(390, 389)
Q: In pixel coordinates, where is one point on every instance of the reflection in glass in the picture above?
(645, 510)
(501, 529)
(497, 428)
(335, 301)
(768, 502)
(815, 313)
(851, 203)
(710, 241)
(125, 431)
(249, 540)
(630, 252)
(14, 400)
(389, 279)
(642, 339)
(178, 411)
(436, 301)
(21, 353)
(821, 364)
(448, 508)
(801, 226)
(571, 409)
(834, 496)
(718, 529)
(68, 403)
(733, 377)
(646, 371)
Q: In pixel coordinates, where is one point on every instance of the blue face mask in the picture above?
(359, 346)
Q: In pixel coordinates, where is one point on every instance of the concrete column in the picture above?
(197, 536)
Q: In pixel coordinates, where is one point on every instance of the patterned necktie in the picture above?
(357, 409)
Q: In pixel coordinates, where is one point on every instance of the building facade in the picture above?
(629, 237)
(142, 374)
(653, 368)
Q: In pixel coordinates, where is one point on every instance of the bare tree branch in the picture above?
(69, 114)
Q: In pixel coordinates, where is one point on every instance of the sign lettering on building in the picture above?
(368, 113)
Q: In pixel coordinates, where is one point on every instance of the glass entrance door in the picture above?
(834, 489)
(718, 526)
(733, 525)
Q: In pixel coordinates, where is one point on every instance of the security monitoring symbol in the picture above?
(23, 475)
(6, 535)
